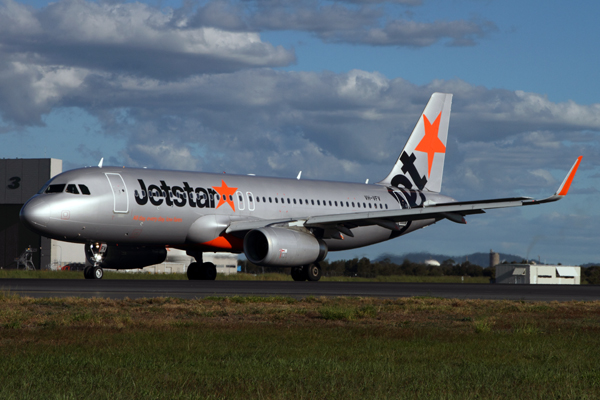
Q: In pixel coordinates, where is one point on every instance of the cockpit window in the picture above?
(84, 189)
(55, 188)
(72, 189)
(43, 189)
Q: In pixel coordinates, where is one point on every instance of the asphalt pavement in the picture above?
(119, 289)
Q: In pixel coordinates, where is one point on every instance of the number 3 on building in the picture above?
(15, 182)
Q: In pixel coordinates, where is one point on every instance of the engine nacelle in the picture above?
(124, 257)
(282, 247)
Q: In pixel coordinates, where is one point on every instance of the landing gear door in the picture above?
(121, 205)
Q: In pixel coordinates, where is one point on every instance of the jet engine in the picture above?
(124, 257)
(283, 247)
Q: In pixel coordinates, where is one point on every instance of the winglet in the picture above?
(564, 187)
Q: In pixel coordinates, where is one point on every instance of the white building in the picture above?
(538, 274)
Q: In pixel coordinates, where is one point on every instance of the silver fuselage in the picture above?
(128, 206)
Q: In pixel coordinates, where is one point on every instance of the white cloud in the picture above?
(128, 38)
(365, 22)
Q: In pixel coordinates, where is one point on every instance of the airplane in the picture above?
(127, 217)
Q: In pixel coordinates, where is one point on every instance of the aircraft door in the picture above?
(250, 199)
(240, 200)
(121, 199)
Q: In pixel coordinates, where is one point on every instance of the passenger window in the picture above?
(294, 201)
(250, 199)
(300, 200)
(352, 204)
(276, 200)
(257, 199)
(312, 202)
(348, 205)
(282, 201)
(386, 206)
(264, 200)
(84, 189)
(370, 205)
(318, 202)
(288, 200)
(240, 197)
(56, 188)
(330, 203)
(364, 205)
(270, 200)
(324, 202)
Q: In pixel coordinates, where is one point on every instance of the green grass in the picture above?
(281, 348)
(270, 362)
(20, 274)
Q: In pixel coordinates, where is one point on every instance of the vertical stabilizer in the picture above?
(421, 162)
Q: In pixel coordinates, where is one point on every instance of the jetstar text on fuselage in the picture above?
(184, 195)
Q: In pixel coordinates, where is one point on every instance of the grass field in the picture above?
(12, 274)
(282, 348)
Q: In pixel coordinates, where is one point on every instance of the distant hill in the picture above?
(590, 265)
(481, 259)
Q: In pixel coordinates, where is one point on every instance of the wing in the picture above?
(390, 219)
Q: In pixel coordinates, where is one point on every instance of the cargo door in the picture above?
(121, 199)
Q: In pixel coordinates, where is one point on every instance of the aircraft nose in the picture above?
(35, 213)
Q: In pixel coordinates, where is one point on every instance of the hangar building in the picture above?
(20, 179)
(538, 274)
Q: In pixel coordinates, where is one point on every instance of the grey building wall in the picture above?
(19, 180)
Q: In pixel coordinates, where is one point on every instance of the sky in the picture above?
(330, 88)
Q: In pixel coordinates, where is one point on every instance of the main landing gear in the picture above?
(311, 272)
(206, 271)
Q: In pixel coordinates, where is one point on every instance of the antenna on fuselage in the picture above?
(100, 163)
(299, 175)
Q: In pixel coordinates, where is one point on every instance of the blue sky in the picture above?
(272, 87)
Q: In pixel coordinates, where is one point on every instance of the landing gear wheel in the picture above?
(193, 271)
(87, 272)
(209, 271)
(97, 273)
(313, 272)
(298, 274)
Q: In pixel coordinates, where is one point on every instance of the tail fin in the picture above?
(421, 163)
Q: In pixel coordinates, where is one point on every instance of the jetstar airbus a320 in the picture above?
(127, 217)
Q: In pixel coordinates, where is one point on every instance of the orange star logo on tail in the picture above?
(431, 143)
(226, 194)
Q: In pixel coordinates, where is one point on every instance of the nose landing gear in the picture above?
(91, 272)
(95, 254)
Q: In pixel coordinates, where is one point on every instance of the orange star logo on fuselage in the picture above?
(431, 143)
(225, 194)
